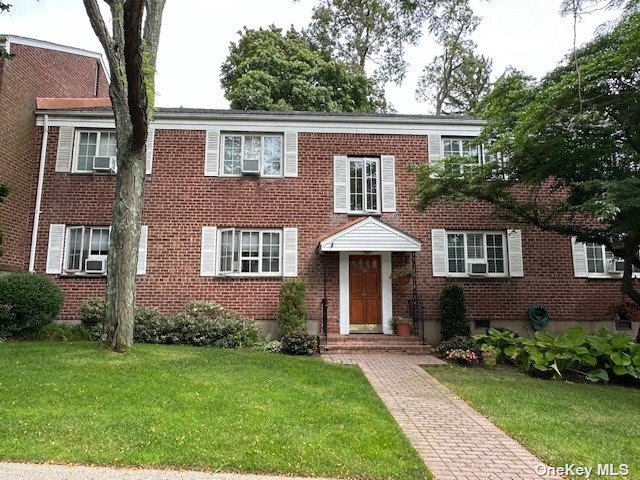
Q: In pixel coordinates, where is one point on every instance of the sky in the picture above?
(527, 34)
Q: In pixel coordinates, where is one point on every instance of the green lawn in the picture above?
(559, 421)
(201, 408)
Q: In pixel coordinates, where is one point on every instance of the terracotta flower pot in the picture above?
(403, 329)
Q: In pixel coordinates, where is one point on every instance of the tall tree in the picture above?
(131, 50)
(4, 7)
(457, 78)
(4, 191)
(369, 32)
(269, 70)
(571, 162)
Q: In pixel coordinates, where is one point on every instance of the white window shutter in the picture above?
(65, 149)
(55, 249)
(208, 252)
(435, 147)
(212, 155)
(290, 153)
(290, 256)
(150, 139)
(388, 169)
(439, 252)
(514, 242)
(142, 250)
(340, 179)
(579, 258)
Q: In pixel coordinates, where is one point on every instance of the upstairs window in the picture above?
(602, 261)
(250, 252)
(252, 154)
(91, 144)
(364, 181)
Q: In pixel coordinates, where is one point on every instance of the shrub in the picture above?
(457, 343)
(197, 329)
(453, 322)
(29, 302)
(59, 332)
(502, 341)
(268, 345)
(92, 312)
(292, 310)
(209, 309)
(298, 343)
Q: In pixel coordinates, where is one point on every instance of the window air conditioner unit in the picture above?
(615, 266)
(475, 268)
(95, 265)
(251, 167)
(104, 164)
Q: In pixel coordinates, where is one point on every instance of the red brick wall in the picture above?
(179, 200)
(33, 72)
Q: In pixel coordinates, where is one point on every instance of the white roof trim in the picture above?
(374, 236)
(32, 42)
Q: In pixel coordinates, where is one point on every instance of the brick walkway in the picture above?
(454, 440)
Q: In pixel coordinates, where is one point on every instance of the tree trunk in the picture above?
(123, 250)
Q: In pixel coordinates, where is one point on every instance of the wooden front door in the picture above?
(365, 299)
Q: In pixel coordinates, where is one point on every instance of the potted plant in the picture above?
(402, 326)
(626, 310)
(401, 275)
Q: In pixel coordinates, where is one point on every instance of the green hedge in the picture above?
(27, 303)
(453, 322)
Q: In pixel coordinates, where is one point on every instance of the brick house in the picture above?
(237, 202)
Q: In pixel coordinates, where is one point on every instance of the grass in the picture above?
(561, 422)
(196, 408)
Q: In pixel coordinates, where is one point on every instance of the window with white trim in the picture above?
(250, 252)
(602, 262)
(86, 244)
(90, 144)
(257, 154)
(481, 248)
(364, 185)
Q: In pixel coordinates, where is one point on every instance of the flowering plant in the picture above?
(465, 357)
(626, 310)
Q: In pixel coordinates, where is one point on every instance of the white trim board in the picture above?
(387, 293)
(411, 244)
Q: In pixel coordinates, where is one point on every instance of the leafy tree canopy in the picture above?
(569, 149)
(271, 70)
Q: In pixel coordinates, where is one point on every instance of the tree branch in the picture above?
(152, 24)
(100, 29)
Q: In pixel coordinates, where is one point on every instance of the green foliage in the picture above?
(59, 332)
(503, 342)
(28, 302)
(365, 32)
(268, 345)
(4, 189)
(208, 308)
(457, 343)
(453, 322)
(298, 343)
(292, 309)
(567, 149)
(92, 312)
(269, 70)
(463, 357)
(595, 356)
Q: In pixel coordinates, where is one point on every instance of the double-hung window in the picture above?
(90, 144)
(258, 154)
(364, 185)
(486, 249)
(85, 243)
(250, 252)
(602, 262)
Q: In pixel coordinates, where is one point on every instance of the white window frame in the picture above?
(467, 260)
(480, 155)
(607, 255)
(83, 229)
(242, 136)
(365, 193)
(237, 234)
(76, 148)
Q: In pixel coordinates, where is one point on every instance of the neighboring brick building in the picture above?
(38, 69)
(237, 202)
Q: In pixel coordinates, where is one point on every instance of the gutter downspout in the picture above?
(36, 213)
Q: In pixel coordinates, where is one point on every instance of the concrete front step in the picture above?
(376, 347)
(372, 338)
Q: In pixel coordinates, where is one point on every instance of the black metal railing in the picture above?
(416, 308)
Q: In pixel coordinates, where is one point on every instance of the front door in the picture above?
(365, 302)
